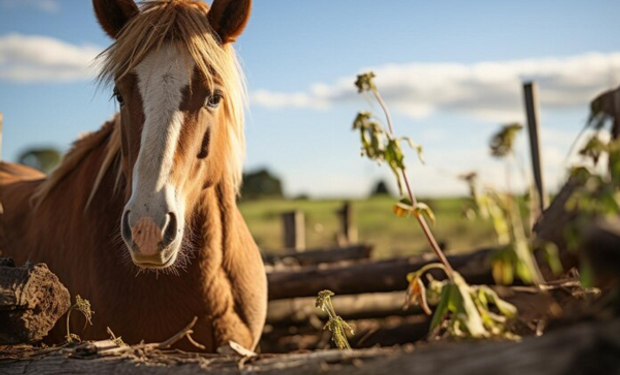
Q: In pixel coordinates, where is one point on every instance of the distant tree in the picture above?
(261, 184)
(380, 189)
(43, 159)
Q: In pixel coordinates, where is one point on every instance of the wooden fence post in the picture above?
(530, 90)
(294, 226)
(348, 231)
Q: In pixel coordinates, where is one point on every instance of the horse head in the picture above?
(181, 98)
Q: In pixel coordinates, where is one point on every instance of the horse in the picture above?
(140, 218)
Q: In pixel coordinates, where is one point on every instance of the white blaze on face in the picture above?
(162, 77)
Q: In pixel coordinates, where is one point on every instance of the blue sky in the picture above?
(450, 70)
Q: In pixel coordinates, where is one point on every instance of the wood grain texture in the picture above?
(32, 299)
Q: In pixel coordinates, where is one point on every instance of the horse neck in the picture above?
(213, 221)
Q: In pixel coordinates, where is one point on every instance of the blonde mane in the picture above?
(184, 23)
(109, 133)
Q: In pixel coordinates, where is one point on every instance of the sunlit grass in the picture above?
(377, 225)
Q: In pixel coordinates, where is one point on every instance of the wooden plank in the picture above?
(348, 230)
(294, 230)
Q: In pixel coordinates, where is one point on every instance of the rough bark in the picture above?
(601, 247)
(32, 299)
(555, 219)
(587, 348)
(371, 277)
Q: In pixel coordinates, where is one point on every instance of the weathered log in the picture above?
(587, 348)
(371, 277)
(601, 247)
(555, 219)
(361, 306)
(395, 330)
(32, 299)
(329, 255)
(532, 303)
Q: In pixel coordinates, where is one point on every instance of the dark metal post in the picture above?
(530, 90)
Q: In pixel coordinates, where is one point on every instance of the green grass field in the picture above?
(376, 223)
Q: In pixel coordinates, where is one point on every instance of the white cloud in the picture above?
(43, 59)
(486, 90)
(49, 6)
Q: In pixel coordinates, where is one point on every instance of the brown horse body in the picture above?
(71, 221)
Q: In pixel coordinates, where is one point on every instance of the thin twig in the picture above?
(185, 332)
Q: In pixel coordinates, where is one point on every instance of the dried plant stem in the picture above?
(423, 224)
(184, 333)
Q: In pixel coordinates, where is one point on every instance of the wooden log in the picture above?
(318, 256)
(601, 248)
(371, 277)
(361, 306)
(32, 299)
(587, 348)
(395, 330)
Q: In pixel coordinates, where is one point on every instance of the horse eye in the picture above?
(213, 101)
(119, 97)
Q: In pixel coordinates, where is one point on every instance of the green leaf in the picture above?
(586, 274)
(552, 255)
(442, 308)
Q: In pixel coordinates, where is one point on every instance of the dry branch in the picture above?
(371, 277)
(32, 299)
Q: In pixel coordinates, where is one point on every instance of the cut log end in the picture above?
(32, 299)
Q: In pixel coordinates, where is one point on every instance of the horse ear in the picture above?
(113, 15)
(229, 17)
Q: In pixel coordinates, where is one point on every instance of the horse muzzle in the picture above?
(151, 245)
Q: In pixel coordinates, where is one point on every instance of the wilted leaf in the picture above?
(424, 210)
(466, 309)
(365, 82)
(503, 141)
(507, 309)
(416, 295)
(416, 147)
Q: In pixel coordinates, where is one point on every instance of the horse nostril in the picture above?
(170, 233)
(125, 228)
